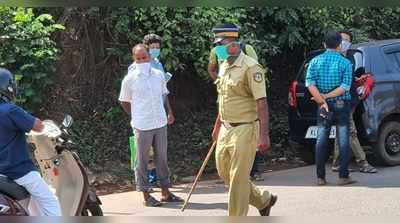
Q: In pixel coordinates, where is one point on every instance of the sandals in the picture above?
(152, 202)
(172, 198)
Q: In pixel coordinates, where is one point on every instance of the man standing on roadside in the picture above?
(358, 151)
(143, 98)
(329, 78)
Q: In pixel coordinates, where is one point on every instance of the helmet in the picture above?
(8, 89)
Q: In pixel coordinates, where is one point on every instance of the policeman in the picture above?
(220, 32)
(241, 127)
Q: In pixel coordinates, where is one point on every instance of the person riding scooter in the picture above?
(15, 162)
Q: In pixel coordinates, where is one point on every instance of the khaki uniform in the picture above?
(239, 86)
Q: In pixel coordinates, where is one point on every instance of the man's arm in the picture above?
(335, 93)
(316, 95)
(125, 96)
(256, 81)
(212, 71)
(38, 126)
(213, 65)
(263, 116)
(126, 106)
(311, 85)
(170, 113)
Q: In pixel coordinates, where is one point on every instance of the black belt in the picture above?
(236, 124)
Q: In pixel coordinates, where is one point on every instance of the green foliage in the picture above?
(113, 114)
(273, 31)
(29, 52)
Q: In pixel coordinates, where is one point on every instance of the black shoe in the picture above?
(152, 202)
(172, 198)
(265, 211)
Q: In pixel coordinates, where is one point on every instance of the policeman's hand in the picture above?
(264, 143)
(171, 119)
(215, 133)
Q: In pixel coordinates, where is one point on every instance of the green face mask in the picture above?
(222, 51)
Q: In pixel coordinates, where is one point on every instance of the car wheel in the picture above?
(387, 148)
(306, 153)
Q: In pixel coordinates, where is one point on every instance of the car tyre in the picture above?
(387, 148)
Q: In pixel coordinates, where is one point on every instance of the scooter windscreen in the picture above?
(50, 129)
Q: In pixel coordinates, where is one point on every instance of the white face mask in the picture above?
(143, 68)
(345, 46)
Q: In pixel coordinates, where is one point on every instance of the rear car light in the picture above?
(292, 94)
(365, 85)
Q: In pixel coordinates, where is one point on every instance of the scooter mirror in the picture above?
(67, 122)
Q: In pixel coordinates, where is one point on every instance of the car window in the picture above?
(394, 59)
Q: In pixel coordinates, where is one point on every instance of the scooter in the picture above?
(62, 170)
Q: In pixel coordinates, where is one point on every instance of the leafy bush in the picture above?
(28, 51)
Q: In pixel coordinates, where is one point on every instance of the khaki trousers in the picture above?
(235, 152)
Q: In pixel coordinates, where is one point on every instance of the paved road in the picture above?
(374, 194)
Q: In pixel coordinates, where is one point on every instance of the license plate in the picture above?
(312, 132)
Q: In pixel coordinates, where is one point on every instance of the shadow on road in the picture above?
(306, 176)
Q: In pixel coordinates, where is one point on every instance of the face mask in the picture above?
(222, 51)
(143, 68)
(154, 53)
(345, 46)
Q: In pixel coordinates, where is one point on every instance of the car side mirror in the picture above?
(67, 122)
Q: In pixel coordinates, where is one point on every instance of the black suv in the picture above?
(377, 118)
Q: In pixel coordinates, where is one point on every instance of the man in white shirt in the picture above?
(142, 97)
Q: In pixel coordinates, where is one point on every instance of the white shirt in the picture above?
(145, 93)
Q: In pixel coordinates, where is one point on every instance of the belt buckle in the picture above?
(227, 125)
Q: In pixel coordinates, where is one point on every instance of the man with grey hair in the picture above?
(142, 97)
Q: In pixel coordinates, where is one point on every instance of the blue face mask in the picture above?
(154, 53)
(222, 52)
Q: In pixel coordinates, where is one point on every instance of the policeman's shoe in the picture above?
(265, 211)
